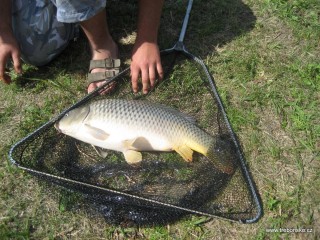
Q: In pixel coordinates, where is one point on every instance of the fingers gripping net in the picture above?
(164, 187)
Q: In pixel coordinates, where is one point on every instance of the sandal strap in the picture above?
(101, 76)
(104, 63)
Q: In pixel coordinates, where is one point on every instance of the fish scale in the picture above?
(147, 116)
(138, 112)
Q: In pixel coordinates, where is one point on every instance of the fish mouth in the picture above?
(56, 125)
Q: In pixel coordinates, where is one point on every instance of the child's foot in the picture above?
(103, 66)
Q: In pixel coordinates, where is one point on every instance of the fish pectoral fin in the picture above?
(96, 132)
(132, 157)
(185, 152)
(101, 151)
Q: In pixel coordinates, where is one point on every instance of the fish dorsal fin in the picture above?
(96, 133)
(188, 117)
(177, 112)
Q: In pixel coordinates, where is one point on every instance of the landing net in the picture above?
(164, 187)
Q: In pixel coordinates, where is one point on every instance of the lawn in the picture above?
(265, 59)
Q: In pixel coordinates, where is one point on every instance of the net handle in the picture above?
(185, 22)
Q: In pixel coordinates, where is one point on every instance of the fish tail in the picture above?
(221, 153)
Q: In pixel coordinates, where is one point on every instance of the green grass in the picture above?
(264, 56)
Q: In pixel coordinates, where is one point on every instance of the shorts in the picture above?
(44, 28)
(72, 11)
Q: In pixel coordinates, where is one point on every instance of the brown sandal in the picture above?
(110, 65)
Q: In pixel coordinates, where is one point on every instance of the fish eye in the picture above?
(66, 115)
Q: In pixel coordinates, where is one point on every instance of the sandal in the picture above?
(110, 65)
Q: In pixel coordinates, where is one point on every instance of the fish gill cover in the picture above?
(164, 187)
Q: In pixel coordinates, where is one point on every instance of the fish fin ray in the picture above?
(101, 151)
(127, 144)
(185, 152)
(175, 111)
(188, 117)
(96, 132)
(132, 157)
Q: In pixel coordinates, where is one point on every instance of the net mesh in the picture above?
(164, 187)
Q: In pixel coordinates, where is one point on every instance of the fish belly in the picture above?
(123, 138)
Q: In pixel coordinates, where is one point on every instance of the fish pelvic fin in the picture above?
(185, 152)
(139, 143)
(221, 153)
(132, 157)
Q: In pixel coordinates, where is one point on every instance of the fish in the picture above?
(135, 126)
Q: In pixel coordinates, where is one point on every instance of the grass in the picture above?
(264, 56)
